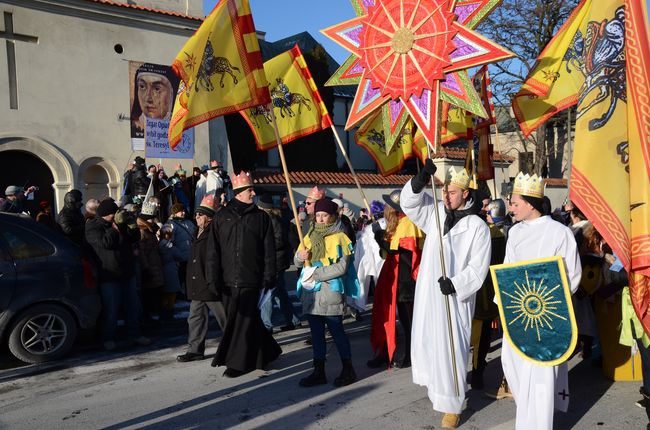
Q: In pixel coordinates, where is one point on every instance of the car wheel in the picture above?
(42, 333)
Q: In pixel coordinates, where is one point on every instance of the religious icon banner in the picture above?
(153, 88)
(536, 310)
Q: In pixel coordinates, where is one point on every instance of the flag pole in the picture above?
(354, 175)
(496, 149)
(286, 176)
(452, 344)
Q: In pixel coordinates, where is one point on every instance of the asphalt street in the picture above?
(145, 387)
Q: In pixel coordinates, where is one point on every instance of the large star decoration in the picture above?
(408, 54)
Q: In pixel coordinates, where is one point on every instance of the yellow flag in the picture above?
(220, 68)
(298, 107)
(553, 83)
(370, 136)
(455, 123)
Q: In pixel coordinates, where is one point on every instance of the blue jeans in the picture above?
(115, 294)
(280, 293)
(317, 328)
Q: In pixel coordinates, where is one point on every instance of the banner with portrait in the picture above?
(153, 88)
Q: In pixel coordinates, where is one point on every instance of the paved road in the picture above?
(147, 388)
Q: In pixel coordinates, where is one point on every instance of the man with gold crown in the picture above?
(241, 265)
(537, 389)
(466, 245)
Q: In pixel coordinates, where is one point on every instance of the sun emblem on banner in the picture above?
(535, 305)
(409, 54)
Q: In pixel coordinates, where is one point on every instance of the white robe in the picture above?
(367, 263)
(199, 191)
(467, 248)
(539, 389)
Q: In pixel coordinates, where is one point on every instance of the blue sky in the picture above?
(283, 18)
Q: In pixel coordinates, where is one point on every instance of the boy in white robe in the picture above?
(537, 390)
(467, 247)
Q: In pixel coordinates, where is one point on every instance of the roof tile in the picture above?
(147, 9)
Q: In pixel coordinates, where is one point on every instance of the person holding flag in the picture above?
(466, 246)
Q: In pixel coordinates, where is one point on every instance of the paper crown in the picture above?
(243, 180)
(459, 178)
(526, 185)
(149, 208)
(207, 205)
(316, 193)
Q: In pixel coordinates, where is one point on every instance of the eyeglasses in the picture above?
(198, 214)
(309, 203)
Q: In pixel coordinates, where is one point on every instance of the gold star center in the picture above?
(403, 40)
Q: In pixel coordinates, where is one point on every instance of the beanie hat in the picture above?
(326, 205)
(265, 201)
(106, 207)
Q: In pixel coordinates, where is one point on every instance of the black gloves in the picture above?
(421, 180)
(446, 286)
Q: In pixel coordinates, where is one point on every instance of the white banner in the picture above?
(157, 141)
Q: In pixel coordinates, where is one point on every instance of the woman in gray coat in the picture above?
(323, 286)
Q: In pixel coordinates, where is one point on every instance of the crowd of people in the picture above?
(180, 236)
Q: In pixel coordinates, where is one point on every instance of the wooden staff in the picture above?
(452, 343)
(354, 175)
(286, 178)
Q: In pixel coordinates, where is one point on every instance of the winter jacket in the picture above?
(241, 253)
(196, 280)
(72, 222)
(113, 249)
(139, 182)
(151, 270)
(170, 255)
(325, 301)
(281, 240)
(184, 232)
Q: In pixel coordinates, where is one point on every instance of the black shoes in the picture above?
(232, 373)
(317, 377)
(347, 376)
(288, 327)
(190, 356)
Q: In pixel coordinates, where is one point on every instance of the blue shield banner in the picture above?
(536, 311)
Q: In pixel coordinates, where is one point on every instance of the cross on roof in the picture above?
(12, 37)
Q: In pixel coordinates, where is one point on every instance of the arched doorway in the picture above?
(95, 179)
(25, 169)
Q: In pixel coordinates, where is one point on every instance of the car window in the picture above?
(24, 244)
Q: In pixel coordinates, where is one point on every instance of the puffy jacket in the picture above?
(151, 268)
(184, 232)
(196, 279)
(241, 253)
(113, 249)
(71, 220)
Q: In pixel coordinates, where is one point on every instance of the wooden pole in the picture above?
(354, 175)
(452, 343)
(286, 177)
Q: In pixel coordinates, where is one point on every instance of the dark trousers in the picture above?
(483, 345)
(114, 295)
(335, 324)
(405, 311)
(198, 323)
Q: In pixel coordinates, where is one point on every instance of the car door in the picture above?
(7, 276)
(36, 276)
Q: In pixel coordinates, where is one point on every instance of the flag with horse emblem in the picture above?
(536, 311)
(295, 100)
(371, 137)
(220, 68)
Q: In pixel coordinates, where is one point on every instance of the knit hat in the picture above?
(265, 201)
(106, 207)
(177, 207)
(207, 206)
(326, 205)
(12, 190)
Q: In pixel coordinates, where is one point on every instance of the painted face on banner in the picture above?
(155, 95)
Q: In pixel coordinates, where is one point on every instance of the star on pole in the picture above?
(408, 54)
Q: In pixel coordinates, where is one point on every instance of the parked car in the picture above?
(48, 290)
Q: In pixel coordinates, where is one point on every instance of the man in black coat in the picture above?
(241, 265)
(111, 236)
(203, 296)
(70, 220)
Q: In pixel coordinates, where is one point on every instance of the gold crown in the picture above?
(526, 185)
(459, 178)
